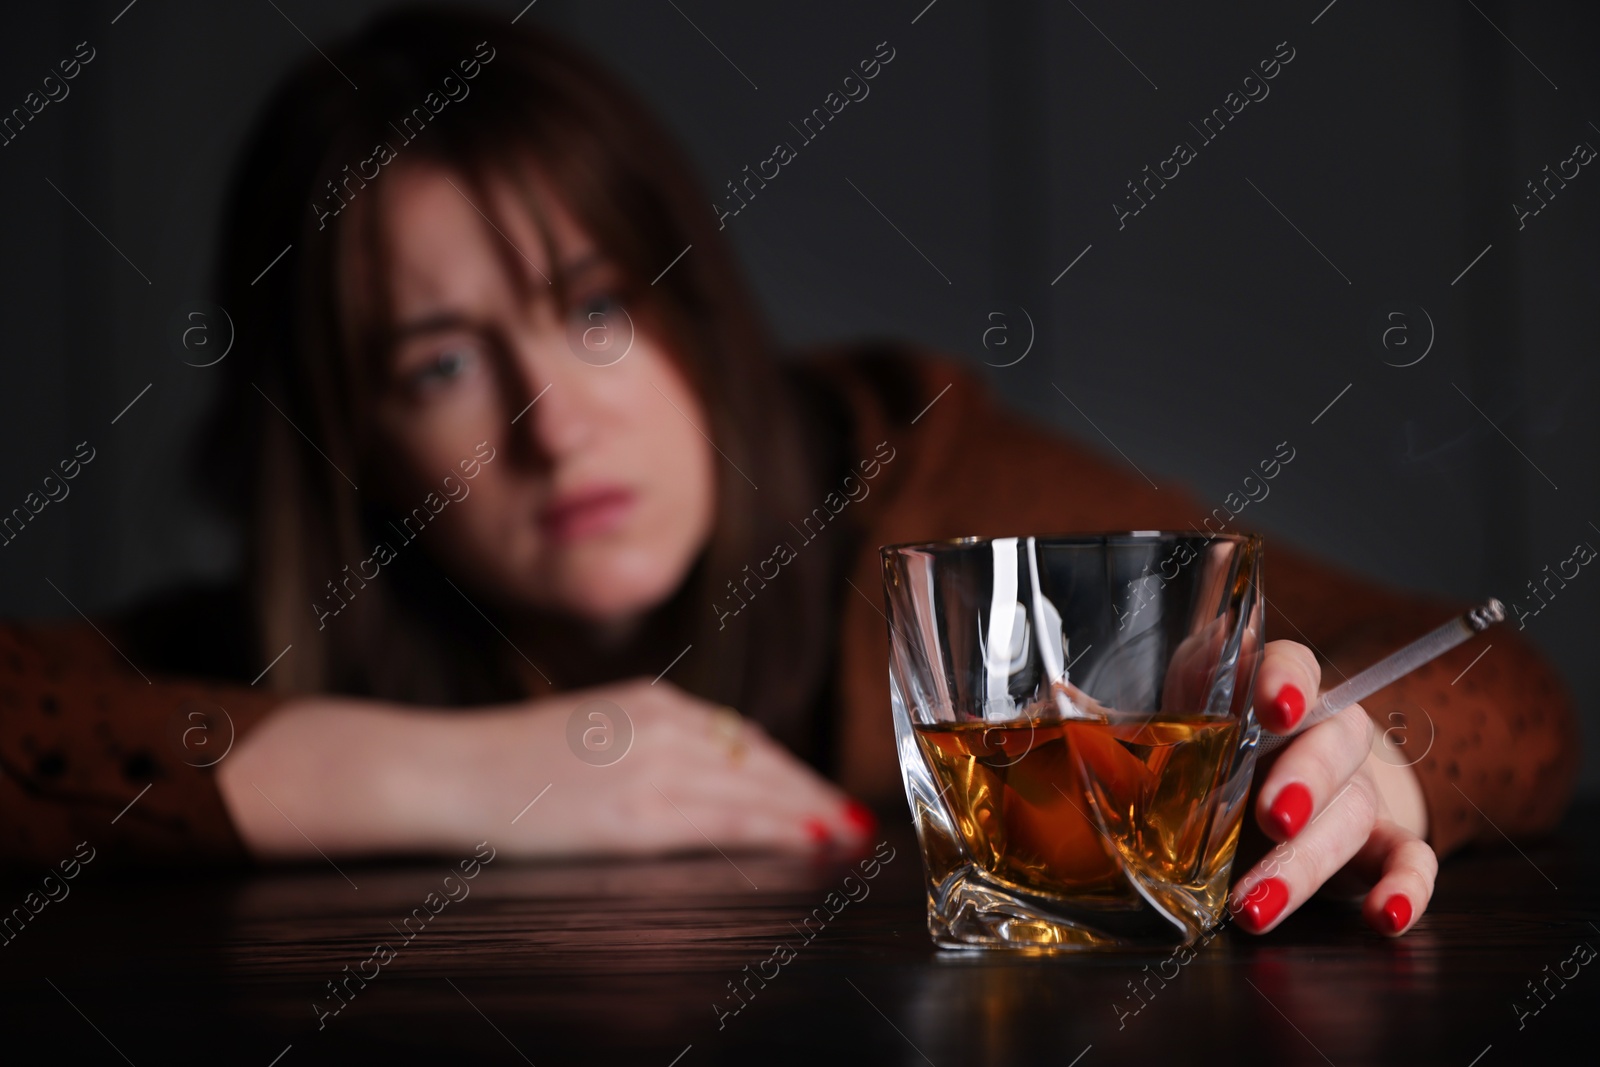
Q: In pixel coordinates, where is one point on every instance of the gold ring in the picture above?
(727, 726)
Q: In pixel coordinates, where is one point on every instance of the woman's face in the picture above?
(600, 495)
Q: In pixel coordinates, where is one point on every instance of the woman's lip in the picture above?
(585, 513)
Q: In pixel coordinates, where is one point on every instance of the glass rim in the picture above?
(1086, 539)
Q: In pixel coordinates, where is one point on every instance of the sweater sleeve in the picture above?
(1495, 749)
(92, 750)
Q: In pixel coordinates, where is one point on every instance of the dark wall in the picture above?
(1248, 293)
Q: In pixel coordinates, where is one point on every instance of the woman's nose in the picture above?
(558, 417)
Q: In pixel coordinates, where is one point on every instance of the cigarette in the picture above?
(1428, 647)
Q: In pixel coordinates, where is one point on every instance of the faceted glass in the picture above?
(1074, 729)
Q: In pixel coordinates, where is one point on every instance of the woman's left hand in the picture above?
(1334, 807)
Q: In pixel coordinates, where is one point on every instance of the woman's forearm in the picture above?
(338, 776)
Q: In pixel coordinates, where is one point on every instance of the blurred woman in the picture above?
(518, 467)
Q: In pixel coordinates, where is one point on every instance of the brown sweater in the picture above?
(82, 733)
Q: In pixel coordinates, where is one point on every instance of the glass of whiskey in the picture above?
(1074, 729)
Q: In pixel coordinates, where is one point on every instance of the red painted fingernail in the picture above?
(1398, 912)
(1288, 707)
(860, 816)
(1263, 904)
(1290, 810)
(816, 831)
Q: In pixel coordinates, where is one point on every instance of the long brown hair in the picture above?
(290, 440)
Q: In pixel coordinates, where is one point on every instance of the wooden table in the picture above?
(626, 962)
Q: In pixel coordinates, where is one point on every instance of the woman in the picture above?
(517, 470)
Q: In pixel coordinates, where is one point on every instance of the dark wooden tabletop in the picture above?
(632, 963)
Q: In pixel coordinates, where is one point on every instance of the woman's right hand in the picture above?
(337, 776)
(694, 775)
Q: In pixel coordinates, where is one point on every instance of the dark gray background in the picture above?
(1196, 338)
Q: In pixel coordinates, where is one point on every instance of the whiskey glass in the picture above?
(1075, 731)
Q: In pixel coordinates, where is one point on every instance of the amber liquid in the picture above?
(1026, 795)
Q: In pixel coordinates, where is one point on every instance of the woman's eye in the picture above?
(596, 308)
(444, 367)
(599, 329)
